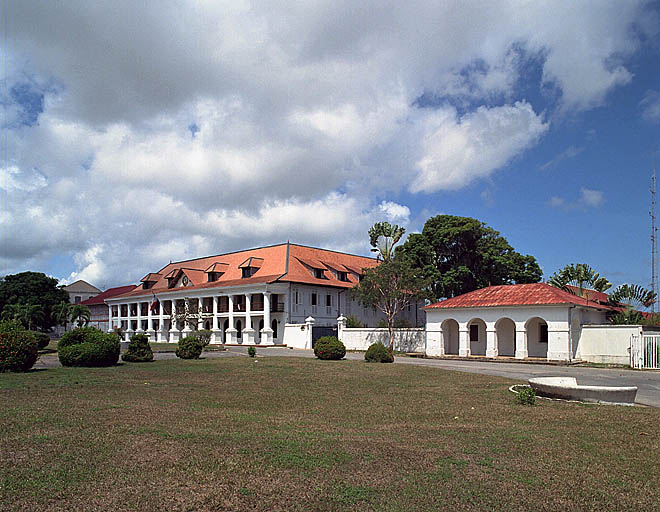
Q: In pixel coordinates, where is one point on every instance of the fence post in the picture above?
(309, 324)
(341, 325)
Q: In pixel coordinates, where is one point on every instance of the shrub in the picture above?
(139, 350)
(18, 348)
(42, 339)
(353, 323)
(329, 348)
(189, 348)
(378, 353)
(88, 346)
(203, 336)
(252, 352)
(526, 395)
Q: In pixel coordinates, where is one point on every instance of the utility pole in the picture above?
(654, 239)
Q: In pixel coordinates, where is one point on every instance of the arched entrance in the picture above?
(273, 326)
(505, 332)
(450, 336)
(537, 337)
(477, 337)
(239, 330)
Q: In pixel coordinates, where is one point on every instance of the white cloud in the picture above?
(587, 198)
(306, 116)
(651, 106)
(592, 198)
(458, 151)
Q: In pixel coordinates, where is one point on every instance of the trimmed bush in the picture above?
(18, 348)
(88, 346)
(42, 339)
(139, 350)
(204, 336)
(526, 395)
(378, 353)
(189, 348)
(252, 352)
(329, 348)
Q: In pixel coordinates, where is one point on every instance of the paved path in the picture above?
(647, 382)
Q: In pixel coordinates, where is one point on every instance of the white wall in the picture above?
(405, 340)
(606, 343)
(295, 335)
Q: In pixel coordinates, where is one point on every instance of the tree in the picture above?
(632, 297)
(389, 288)
(383, 236)
(33, 288)
(27, 315)
(578, 277)
(79, 314)
(461, 254)
(61, 313)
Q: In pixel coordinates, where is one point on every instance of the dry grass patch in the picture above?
(302, 434)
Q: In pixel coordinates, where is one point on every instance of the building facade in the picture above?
(98, 310)
(246, 297)
(525, 320)
(80, 291)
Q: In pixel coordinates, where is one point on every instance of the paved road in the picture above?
(647, 382)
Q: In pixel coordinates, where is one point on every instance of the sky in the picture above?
(139, 133)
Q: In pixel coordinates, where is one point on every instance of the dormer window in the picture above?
(342, 276)
(149, 281)
(250, 266)
(248, 272)
(213, 276)
(319, 273)
(147, 284)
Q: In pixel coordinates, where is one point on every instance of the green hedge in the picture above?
(189, 348)
(88, 346)
(139, 350)
(329, 348)
(18, 348)
(378, 353)
(42, 339)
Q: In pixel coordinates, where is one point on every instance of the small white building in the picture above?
(524, 320)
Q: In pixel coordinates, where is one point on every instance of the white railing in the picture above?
(645, 351)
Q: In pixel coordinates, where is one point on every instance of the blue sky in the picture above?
(129, 140)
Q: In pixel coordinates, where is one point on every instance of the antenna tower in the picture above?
(654, 240)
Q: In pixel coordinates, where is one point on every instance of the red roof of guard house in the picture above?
(110, 292)
(516, 295)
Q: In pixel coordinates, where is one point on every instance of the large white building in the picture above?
(247, 296)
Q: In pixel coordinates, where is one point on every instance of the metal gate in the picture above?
(645, 351)
(320, 331)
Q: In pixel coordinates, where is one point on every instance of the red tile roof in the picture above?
(281, 263)
(110, 292)
(515, 295)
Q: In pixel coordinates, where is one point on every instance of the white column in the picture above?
(267, 332)
(341, 325)
(161, 322)
(216, 337)
(174, 331)
(463, 340)
(186, 324)
(129, 322)
(150, 324)
(200, 309)
(110, 326)
(309, 324)
(139, 318)
(521, 341)
(491, 341)
(248, 332)
(231, 332)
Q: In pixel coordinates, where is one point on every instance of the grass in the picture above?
(304, 434)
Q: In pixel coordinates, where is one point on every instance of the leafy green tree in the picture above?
(577, 278)
(28, 315)
(33, 288)
(79, 314)
(461, 254)
(383, 236)
(390, 287)
(61, 313)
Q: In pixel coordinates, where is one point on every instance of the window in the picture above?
(296, 298)
(313, 298)
(342, 276)
(213, 277)
(474, 333)
(248, 271)
(77, 299)
(543, 333)
(147, 284)
(318, 273)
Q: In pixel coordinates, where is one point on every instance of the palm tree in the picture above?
(25, 314)
(633, 296)
(62, 312)
(575, 278)
(383, 236)
(79, 314)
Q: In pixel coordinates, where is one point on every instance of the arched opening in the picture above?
(505, 332)
(477, 337)
(261, 324)
(537, 337)
(239, 329)
(225, 326)
(273, 326)
(450, 336)
(207, 325)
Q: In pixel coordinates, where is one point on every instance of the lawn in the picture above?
(230, 433)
